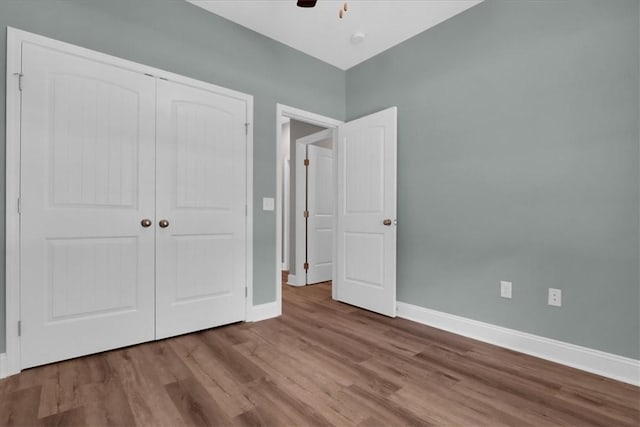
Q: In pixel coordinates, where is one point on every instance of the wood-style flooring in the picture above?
(321, 363)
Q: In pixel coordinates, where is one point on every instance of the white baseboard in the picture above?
(292, 280)
(3, 365)
(264, 311)
(595, 361)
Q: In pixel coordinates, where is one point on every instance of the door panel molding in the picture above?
(14, 80)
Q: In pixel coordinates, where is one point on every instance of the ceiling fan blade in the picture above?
(307, 3)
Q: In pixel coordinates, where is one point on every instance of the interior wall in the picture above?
(179, 37)
(518, 154)
(297, 130)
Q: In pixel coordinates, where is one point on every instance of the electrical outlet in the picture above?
(555, 297)
(505, 289)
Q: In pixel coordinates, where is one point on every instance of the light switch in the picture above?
(505, 289)
(268, 203)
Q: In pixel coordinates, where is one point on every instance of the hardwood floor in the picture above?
(321, 363)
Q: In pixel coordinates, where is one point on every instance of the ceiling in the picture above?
(320, 33)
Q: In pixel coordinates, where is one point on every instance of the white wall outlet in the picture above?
(268, 204)
(505, 289)
(555, 297)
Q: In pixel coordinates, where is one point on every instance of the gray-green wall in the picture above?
(518, 158)
(179, 37)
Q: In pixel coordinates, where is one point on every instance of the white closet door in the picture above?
(366, 246)
(320, 196)
(87, 166)
(201, 193)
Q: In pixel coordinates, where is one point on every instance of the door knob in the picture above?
(145, 223)
(387, 222)
(163, 223)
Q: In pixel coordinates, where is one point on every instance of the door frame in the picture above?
(15, 38)
(283, 112)
(301, 196)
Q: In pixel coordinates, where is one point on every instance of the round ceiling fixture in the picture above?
(357, 37)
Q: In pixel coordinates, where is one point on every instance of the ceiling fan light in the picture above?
(307, 3)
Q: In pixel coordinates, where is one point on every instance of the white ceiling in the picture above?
(320, 33)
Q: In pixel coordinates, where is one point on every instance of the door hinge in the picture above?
(19, 205)
(306, 162)
(19, 328)
(306, 265)
(20, 75)
(246, 128)
(306, 214)
(246, 292)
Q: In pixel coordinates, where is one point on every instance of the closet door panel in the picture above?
(201, 193)
(87, 181)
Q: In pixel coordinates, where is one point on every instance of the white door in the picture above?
(87, 181)
(366, 230)
(320, 196)
(201, 193)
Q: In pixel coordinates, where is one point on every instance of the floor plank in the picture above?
(196, 404)
(320, 363)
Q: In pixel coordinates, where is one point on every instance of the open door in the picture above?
(314, 211)
(366, 213)
(320, 216)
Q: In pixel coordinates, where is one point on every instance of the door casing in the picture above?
(15, 39)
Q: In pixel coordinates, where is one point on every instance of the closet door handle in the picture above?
(163, 223)
(145, 223)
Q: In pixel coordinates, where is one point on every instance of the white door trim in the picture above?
(286, 214)
(12, 188)
(282, 112)
(301, 154)
(15, 38)
(3, 365)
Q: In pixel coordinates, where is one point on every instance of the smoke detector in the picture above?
(357, 37)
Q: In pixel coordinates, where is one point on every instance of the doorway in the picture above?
(365, 208)
(311, 206)
(315, 207)
(293, 124)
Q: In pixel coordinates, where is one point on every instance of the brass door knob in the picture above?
(145, 223)
(387, 222)
(163, 223)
